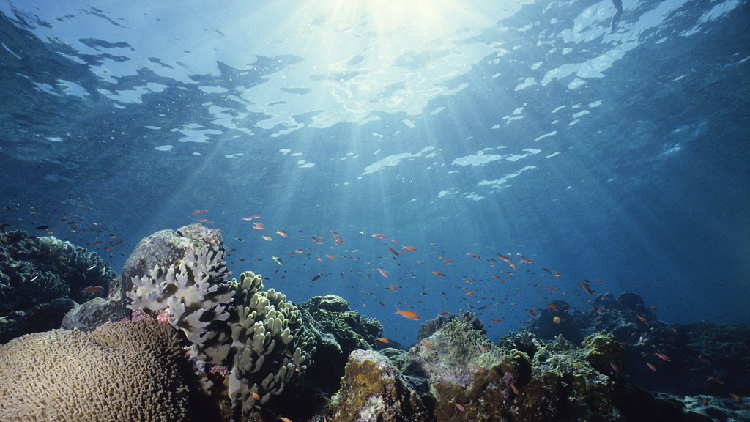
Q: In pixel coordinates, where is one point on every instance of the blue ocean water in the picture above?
(611, 153)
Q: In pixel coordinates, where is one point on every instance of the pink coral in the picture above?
(163, 315)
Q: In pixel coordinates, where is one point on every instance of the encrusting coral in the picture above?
(256, 335)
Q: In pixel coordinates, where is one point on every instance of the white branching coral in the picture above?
(256, 334)
(196, 293)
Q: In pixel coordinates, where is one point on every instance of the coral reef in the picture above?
(161, 249)
(459, 375)
(256, 335)
(429, 328)
(119, 372)
(41, 278)
(374, 390)
(720, 352)
(336, 331)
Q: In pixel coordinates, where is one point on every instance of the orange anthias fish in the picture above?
(662, 356)
(93, 289)
(383, 273)
(409, 248)
(379, 236)
(382, 339)
(407, 314)
(199, 211)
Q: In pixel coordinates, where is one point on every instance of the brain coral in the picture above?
(120, 372)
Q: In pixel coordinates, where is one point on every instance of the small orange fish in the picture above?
(614, 367)
(392, 287)
(527, 261)
(479, 368)
(199, 211)
(531, 311)
(425, 344)
(505, 258)
(409, 248)
(379, 236)
(443, 313)
(382, 339)
(470, 293)
(285, 419)
(267, 238)
(662, 356)
(643, 319)
(714, 379)
(383, 273)
(438, 273)
(483, 349)
(515, 389)
(553, 307)
(93, 289)
(256, 396)
(407, 314)
(496, 319)
(281, 233)
(203, 220)
(652, 367)
(459, 407)
(471, 254)
(598, 311)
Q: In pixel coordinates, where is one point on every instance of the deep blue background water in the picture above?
(451, 127)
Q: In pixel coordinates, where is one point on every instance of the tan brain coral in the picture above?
(119, 372)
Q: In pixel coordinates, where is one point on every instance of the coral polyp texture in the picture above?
(120, 372)
(257, 335)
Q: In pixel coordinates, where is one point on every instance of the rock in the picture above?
(374, 390)
(95, 312)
